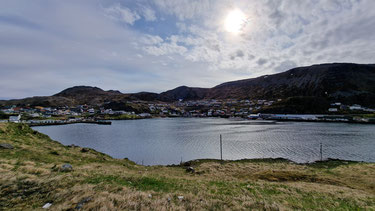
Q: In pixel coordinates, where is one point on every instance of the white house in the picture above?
(355, 107)
(35, 115)
(145, 115)
(15, 119)
(332, 109)
(253, 116)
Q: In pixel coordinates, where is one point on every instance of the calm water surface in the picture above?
(168, 141)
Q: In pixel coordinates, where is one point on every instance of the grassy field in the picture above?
(31, 176)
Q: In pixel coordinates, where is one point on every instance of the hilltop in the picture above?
(33, 174)
(339, 82)
(347, 83)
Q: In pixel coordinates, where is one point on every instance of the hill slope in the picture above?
(349, 83)
(343, 82)
(184, 92)
(89, 95)
(77, 95)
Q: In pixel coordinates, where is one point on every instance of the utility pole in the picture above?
(221, 148)
(321, 152)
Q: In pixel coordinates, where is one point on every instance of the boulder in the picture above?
(54, 153)
(66, 167)
(190, 170)
(47, 205)
(72, 146)
(6, 146)
(82, 202)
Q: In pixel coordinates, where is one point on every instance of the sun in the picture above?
(235, 21)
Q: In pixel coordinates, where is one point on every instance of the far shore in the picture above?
(49, 122)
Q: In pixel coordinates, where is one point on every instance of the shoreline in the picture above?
(327, 161)
(67, 123)
(109, 121)
(243, 160)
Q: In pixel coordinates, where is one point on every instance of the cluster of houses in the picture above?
(233, 108)
(39, 111)
(336, 107)
(208, 108)
(39, 114)
(198, 108)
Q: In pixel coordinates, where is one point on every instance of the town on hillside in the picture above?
(232, 108)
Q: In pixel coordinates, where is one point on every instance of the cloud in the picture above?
(237, 54)
(165, 49)
(148, 14)
(261, 61)
(124, 14)
(285, 65)
(151, 40)
(184, 9)
(156, 45)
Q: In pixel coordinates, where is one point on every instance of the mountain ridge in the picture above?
(347, 82)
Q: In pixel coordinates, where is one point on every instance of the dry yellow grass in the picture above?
(30, 177)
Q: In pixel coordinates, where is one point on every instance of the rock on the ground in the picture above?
(82, 202)
(6, 146)
(190, 170)
(72, 146)
(66, 167)
(47, 205)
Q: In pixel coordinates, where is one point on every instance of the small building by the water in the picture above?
(15, 119)
(355, 107)
(332, 109)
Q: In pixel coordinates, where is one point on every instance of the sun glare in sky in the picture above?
(234, 21)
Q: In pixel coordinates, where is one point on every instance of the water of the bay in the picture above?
(170, 140)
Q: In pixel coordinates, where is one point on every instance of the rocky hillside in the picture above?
(184, 92)
(344, 82)
(90, 95)
(348, 83)
(77, 95)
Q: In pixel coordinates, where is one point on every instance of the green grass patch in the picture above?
(330, 163)
(142, 183)
(155, 184)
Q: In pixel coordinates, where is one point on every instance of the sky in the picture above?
(157, 45)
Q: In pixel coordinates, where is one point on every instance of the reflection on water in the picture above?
(167, 141)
